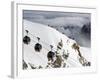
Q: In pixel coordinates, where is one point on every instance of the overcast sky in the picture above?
(57, 18)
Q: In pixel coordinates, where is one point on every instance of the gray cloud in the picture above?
(57, 18)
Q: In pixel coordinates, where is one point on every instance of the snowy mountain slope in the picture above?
(49, 36)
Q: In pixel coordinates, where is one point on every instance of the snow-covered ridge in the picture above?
(46, 33)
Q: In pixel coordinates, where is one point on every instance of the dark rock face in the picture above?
(25, 66)
(86, 29)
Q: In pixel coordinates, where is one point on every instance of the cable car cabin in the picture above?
(50, 55)
(38, 47)
(26, 40)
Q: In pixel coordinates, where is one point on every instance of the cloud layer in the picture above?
(57, 18)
